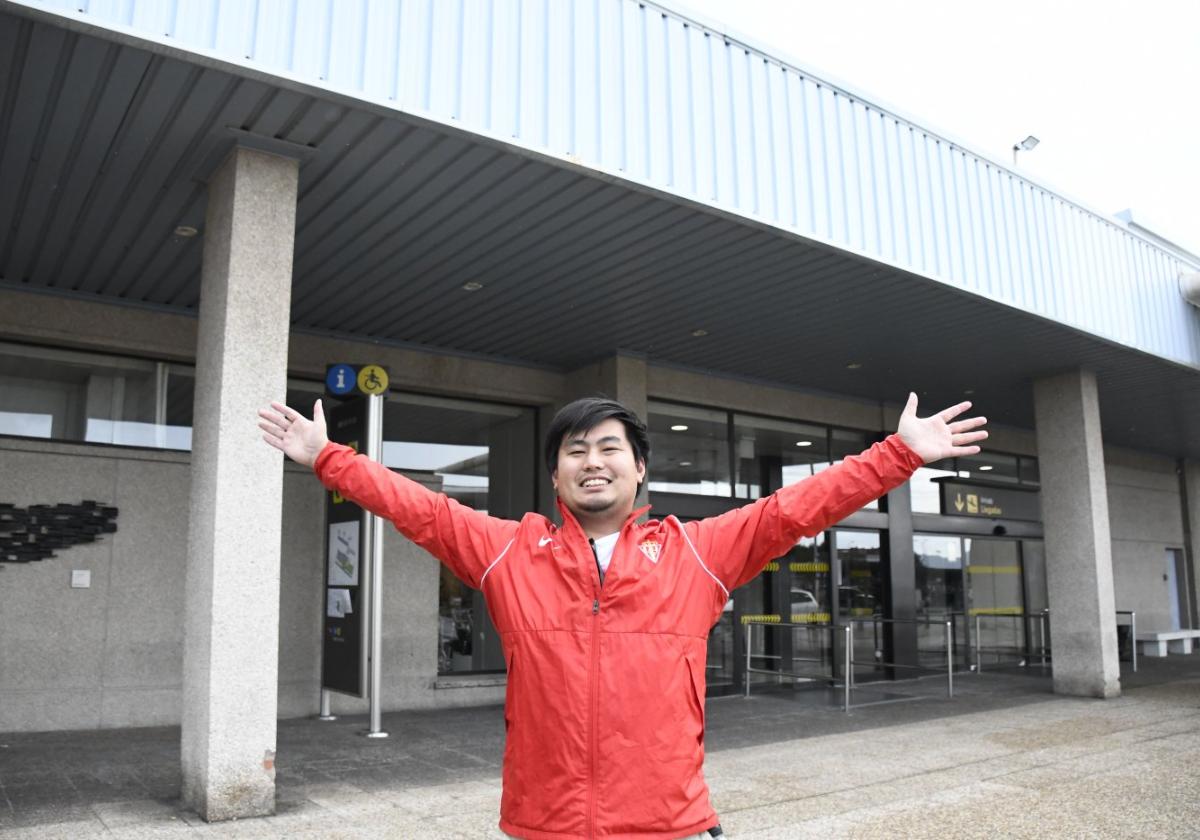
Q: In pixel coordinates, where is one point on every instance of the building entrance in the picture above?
(992, 589)
(832, 578)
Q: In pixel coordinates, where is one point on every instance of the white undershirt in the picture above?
(604, 551)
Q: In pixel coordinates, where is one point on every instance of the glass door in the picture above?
(996, 597)
(940, 597)
(860, 597)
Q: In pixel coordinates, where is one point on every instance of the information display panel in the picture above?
(344, 626)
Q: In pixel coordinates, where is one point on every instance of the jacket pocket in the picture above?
(696, 680)
(509, 680)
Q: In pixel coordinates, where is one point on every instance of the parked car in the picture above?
(804, 601)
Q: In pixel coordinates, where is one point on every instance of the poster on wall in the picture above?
(343, 553)
(338, 603)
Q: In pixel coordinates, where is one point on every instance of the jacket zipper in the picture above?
(595, 693)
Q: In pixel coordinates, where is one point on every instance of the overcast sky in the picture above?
(1112, 89)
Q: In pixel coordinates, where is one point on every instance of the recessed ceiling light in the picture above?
(186, 231)
(854, 366)
(969, 391)
(679, 427)
(985, 468)
(804, 443)
(685, 463)
(964, 474)
(699, 333)
(472, 286)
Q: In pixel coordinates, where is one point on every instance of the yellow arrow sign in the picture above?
(958, 502)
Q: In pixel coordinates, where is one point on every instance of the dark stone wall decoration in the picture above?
(36, 532)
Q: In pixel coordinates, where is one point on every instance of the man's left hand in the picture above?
(940, 435)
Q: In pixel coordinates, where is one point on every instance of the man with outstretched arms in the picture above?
(604, 619)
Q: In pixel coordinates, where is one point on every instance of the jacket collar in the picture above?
(569, 520)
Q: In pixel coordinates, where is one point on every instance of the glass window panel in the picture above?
(996, 594)
(940, 597)
(689, 450)
(990, 466)
(861, 593)
(925, 493)
(774, 453)
(484, 456)
(68, 395)
(809, 592)
(26, 424)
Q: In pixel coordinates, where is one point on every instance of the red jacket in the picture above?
(605, 703)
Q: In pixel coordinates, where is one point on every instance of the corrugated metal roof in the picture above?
(634, 89)
(103, 143)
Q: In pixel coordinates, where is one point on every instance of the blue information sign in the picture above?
(341, 379)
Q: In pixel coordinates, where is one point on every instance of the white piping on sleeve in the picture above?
(697, 554)
(494, 562)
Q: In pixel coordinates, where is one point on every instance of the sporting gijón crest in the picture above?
(651, 549)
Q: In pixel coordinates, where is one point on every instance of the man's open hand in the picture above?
(940, 436)
(292, 434)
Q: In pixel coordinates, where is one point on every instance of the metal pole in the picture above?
(848, 634)
(375, 529)
(1041, 638)
(749, 630)
(978, 654)
(1133, 637)
(850, 655)
(326, 713)
(950, 659)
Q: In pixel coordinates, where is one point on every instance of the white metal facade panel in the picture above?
(635, 90)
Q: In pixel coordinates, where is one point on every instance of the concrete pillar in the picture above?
(1078, 546)
(621, 377)
(231, 648)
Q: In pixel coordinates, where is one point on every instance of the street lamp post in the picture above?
(1027, 145)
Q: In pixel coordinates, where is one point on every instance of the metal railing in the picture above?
(848, 635)
(1027, 621)
(1042, 649)
(875, 620)
(848, 663)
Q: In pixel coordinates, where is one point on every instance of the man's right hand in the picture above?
(292, 434)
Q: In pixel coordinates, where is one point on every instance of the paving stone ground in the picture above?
(1005, 758)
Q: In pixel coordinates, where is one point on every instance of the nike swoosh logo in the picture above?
(544, 541)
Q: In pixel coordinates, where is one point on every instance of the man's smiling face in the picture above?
(597, 475)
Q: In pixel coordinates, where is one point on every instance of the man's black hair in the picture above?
(586, 414)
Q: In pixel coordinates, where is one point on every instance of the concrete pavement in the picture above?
(1005, 758)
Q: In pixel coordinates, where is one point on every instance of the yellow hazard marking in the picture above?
(760, 619)
(808, 567)
(810, 618)
(773, 566)
(996, 611)
(372, 379)
(994, 570)
(796, 618)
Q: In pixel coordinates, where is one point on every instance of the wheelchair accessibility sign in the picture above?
(372, 379)
(342, 380)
